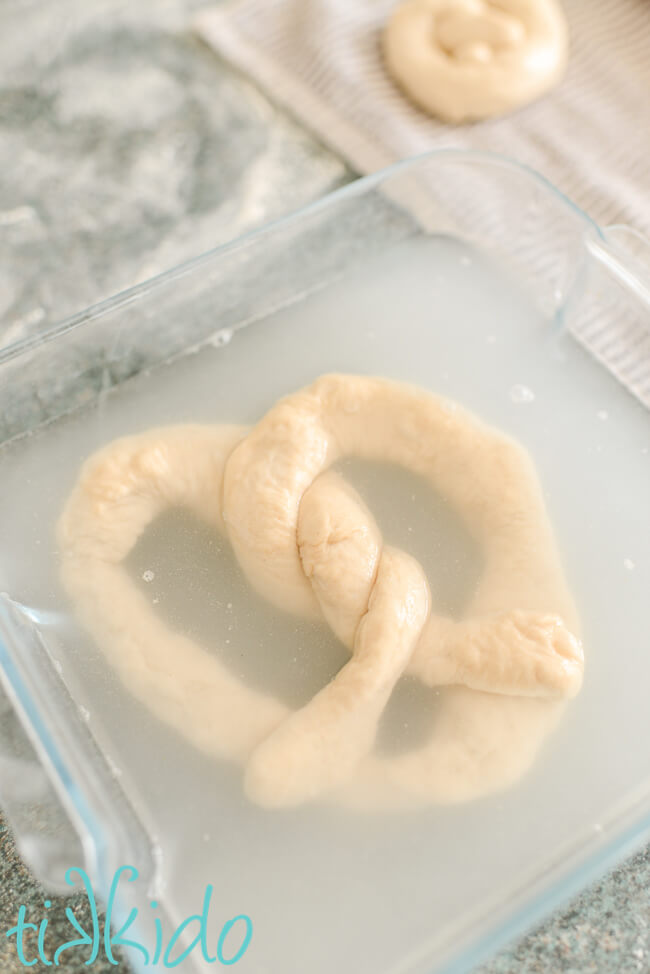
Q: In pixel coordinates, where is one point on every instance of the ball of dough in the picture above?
(464, 60)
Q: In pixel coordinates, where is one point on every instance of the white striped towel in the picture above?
(590, 136)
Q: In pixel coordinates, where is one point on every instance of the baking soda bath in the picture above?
(435, 313)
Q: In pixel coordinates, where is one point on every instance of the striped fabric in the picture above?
(590, 136)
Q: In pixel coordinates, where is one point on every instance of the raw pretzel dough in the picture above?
(309, 545)
(464, 60)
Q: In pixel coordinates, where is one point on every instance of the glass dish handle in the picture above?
(44, 836)
(625, 254)
(61, 799)
(608, 308)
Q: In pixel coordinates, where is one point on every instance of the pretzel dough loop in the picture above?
(309, 545)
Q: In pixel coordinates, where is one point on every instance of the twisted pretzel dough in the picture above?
(309, 545)
(463, 60)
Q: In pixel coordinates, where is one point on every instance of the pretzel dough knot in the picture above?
(463, 60)
(309, 545)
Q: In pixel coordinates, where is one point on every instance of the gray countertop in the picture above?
(126, 147)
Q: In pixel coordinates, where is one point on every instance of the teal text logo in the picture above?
(231, 944)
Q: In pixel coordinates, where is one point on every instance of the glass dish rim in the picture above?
(357, 187)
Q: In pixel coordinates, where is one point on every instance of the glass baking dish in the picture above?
(466, 274)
